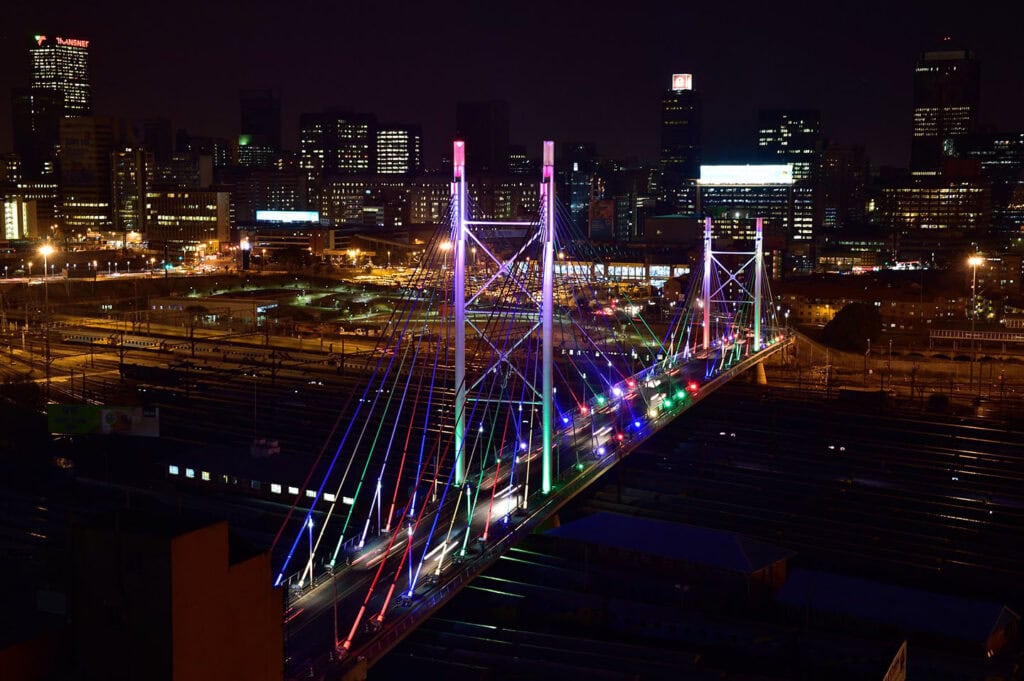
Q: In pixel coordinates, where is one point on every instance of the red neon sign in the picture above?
(72, 42)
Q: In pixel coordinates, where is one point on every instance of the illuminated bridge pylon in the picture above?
(543, 231)
(729, 312)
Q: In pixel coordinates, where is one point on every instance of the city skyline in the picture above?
(603, 86)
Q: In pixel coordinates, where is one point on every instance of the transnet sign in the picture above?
(682, 81)
(67, 42)
(747, 175)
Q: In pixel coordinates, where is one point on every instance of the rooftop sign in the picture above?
(749, 175)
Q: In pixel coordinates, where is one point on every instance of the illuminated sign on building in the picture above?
(72, 42)
(287, 216)
(747, 175)
(40, 39)
(682, 81)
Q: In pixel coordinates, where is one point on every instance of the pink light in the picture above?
(549, 159)
(459, 157)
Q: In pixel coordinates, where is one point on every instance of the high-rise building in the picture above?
(188, 222)
(843, 181)
(87, 145)
(1001, 158)
(336, 143)
(259, 140)
(754, 191)
(484, 127)
(399, 150)
(132, 171)
(578, 180)
(36, 114)
(62, 64)
(680, 141)
(947, 92)
(791, 136)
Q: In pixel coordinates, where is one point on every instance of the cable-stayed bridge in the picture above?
(510, 377)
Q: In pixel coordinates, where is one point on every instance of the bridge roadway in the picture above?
(308, 623)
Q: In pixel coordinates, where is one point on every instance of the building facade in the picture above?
(399, 150)
(680, 155)
(62, 64)
(947, 92)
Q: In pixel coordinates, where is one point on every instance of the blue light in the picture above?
(636, 424)
(565, 419)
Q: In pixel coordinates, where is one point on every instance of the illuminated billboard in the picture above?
(747, 175)
(93, 419)
(287, 216)
(682, 81)
(602, 220)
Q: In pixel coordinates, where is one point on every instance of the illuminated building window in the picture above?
(275, 488)
(172, 469)
(190, 473)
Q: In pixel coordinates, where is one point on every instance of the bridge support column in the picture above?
(706, 291)
(547, 198)
(758, 260)
(760, 377)
(459, 305)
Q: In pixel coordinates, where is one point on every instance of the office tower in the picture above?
(935, 208)
(259, 139)
(87, 144)
(157, 137)
(946, 97)
(336, 143)
(844, 177)
(484, 127)
(132, 172)
(62, 64)
(577, 181)
(1001, 158)
(791, 136)
(217, 148)
(754, 191)
(680, 141)
(36, 115)
(399, 150)
(190, 222)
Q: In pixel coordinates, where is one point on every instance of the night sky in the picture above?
(571, 71)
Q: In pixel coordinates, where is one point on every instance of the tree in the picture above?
(852, 326)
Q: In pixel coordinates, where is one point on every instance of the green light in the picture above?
(244, 140)
(681, 394)
(667, 403)
(37, 38)
(579, 466)
(600, 400)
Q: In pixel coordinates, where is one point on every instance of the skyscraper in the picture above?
(399, 150)
(259, 141)
(843, 181)
(36, 114)
(87, 145)
(680, 140)
(484, 127)
(336, 143)
(791, 136)
(62, 64)
(946, 96)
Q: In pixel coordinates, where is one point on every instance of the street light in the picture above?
(974, 261)
(46, 250)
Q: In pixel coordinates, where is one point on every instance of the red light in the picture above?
(583, 410)
(619, 436)
(691, 386)
(631, 383)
